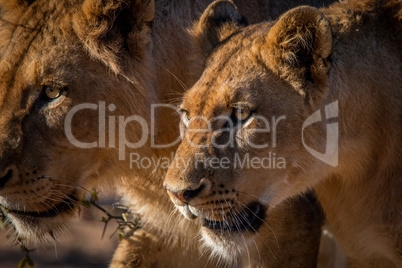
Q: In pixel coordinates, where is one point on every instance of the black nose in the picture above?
(190, 194)
(187, 195)
(6, 178)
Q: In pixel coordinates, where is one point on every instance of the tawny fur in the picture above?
(349, 53)
(127, 53)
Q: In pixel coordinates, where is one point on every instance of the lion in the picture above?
(78, 79)
(311, 101)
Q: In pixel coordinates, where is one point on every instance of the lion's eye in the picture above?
(241, 114)
(51, 96)
(185, 118)
(53, 92)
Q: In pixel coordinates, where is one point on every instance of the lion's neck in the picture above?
(362, 191)
(370, 106)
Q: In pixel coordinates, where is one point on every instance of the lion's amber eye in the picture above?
(185, 118)
(53, 92)
(241, 114)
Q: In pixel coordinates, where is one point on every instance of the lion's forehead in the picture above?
(225, 80)
(35, 29)
(33, 43)
(22, 71)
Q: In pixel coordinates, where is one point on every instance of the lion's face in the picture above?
(240, 181)
(51, 95)
(241, 152)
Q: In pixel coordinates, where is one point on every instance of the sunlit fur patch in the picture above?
(226, 247)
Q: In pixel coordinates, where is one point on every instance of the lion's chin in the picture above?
(226, 245)
(42, 225)
(230, 238)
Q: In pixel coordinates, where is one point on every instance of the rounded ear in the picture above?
(298, 46)
(111, 28)
(220, 20)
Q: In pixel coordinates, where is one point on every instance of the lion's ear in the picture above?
(298, 46)
(110, 29)
(220, 20)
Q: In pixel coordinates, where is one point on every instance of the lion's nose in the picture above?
(190, 193)
(187, 195)
(6, 178)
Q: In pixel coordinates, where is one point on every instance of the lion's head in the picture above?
(233, 127)
(63, 64)
(251, 127)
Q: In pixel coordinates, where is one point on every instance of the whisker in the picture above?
(276, 239)
(72, 184)
(262, 201)
(262, 239)
(181, 83)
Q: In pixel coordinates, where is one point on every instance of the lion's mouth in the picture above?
(68, 204)
(250, 219)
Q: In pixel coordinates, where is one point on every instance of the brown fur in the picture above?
(120, 52)
(309, 58)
